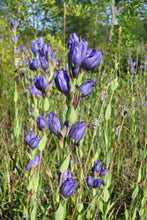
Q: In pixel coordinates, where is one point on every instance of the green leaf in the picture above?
(65, 164)
(139, 175)
(29, 155)
(141, 212)
(57, 195)
(106, 137)
(30, 186)
(80, 207)
(134, 215)
(135, 192)
(80, 217)
(60, 213)
(36, 112)
(106, 195)
(42, 143)
(46, 104)
(88, 215)
(33, 182)
(109, 180)
(101, 206)
(108, 112)
(96, 156)
(126, 214)
(36, 181)
(114, 85)
(71, 115)
(25, 212)
(33, 213)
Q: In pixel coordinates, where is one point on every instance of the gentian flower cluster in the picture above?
(96, 168)
(34, 64)
(31, 140)
(34, 161)
(76, 132)
(132, 67)
(43, 53)
(68, 185)
(142, 67)
(14, 23)
(79, 56)
(34, 91)
(14, 38)
(40, 85)
(145, 104)
(23, 48)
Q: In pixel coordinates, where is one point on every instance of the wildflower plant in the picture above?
(69, 132)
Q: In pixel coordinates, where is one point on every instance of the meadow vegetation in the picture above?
(73, 115)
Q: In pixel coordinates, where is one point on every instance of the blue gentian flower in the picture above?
(53, 123)
(77, 131)
(62, 81)
(68, 187)
(66, 175)
(34, 142)
(92, 59)
(89, 180)
(97, 183)
(86, 88)
(41, 122)
(41, 83)
(34, 161)
(29, 136)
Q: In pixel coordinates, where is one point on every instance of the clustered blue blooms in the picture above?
(96, 168)
(31, 140)
(42, 53)
(34, 91)
(62, 81)
(34, 64)
(14, 38)
(132, 67)
(79, 58)
(34, 161)
(23, 48)
(14, 23)
(76, 132)
(145, 104)
(68, 185)
(40, 85)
